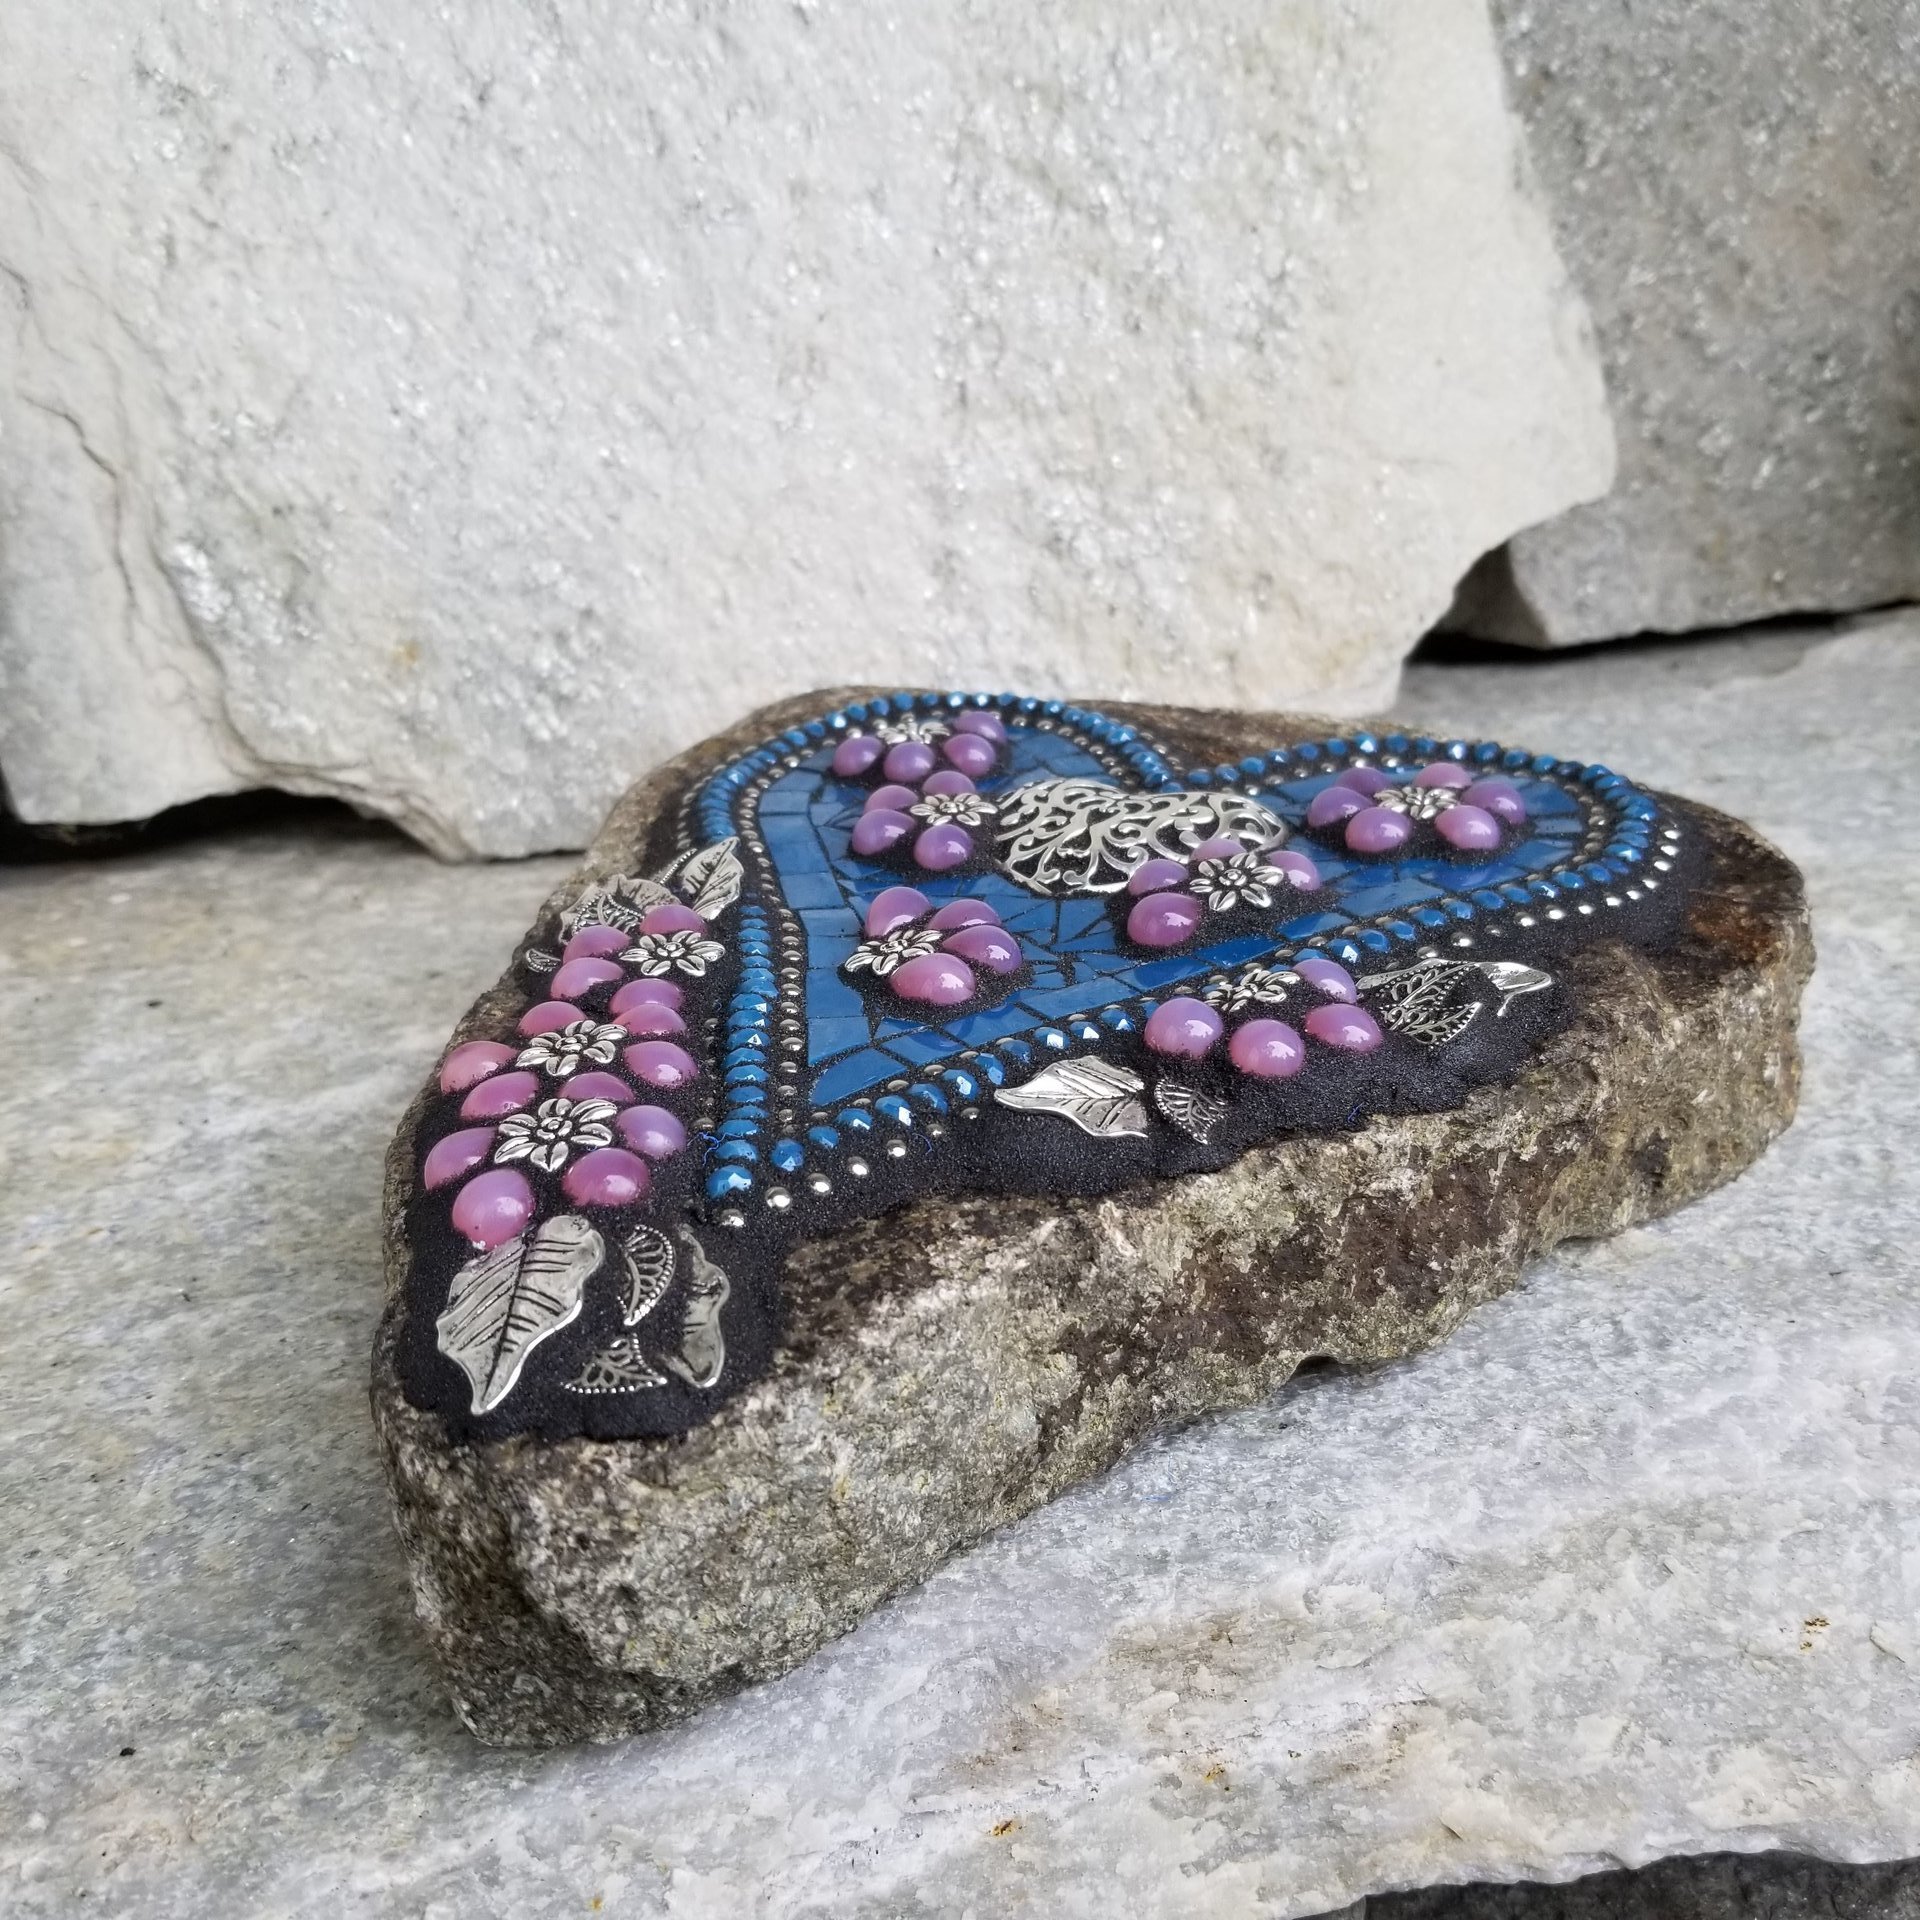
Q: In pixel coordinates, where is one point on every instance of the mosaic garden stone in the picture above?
(922, 1096)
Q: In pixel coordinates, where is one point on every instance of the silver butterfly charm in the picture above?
(1421, 1001)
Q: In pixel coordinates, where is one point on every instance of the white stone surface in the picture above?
(456, 410)
(1630, 1567)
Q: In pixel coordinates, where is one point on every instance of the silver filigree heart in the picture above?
(1098, 1097)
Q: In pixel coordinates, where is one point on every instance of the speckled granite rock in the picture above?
(959, 1363)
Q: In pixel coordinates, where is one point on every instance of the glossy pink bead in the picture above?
(973, 755)
(1185, 1028)
(894, 907)
(596, 943)
(855, 754)
(671, 917)
(964, 912)
(890, 798)
(471, 1062)
(934, 980)
(504, 1093)
(651, 1131)
(1163, 919)
(942, 847)
(1378, 830)
(577, 977)
(1443, 773)
(911, 761)
(978, 720)
(1300, 871)
(1156, 876)
(661, 992)
(458, 1153)
(1501, 798)
(993, 948)
(1267, 1049)
(1223, 846)
(607, 1177)
(549, 1016)
(1471, 829)
(1350, 1029)
(493, 1206)
(652, 1020)
(947, 780)
(875, 833)
(593, 1086)
(1367, 780)
(1337, 802)
(1328, 977)
(660, 1063)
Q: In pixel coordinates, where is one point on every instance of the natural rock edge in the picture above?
(949, 1368)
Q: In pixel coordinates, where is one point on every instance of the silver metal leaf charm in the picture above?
(703, 1345)
(649, 1259)
(617, 1368)
(1189, 1109)
(618, 901)
(539, 961)
(1099, 1098)
(502, 1304)
(1512, 980)
(710, 879)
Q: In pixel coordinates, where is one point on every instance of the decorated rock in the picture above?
(812, 1195)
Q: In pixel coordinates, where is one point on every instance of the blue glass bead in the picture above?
(1253, 767)
(1052, 1038)
(825, 1138)
(1117, 1019)
(1307, 751)
(1514, 757)
(925, 1094)
(855, 1119)
(734, 1150)
(1338, 748)
(1017, 1051)
(788, 1155)
(1396, 929)
(1200, 777)
(1486, 753)
(1397, 743)
(1366, 743)
(724, 1182)
(1376, 941)
(746, 1076)
(964, 1085)
(1345, 951)
(1570, 881)
(1486, 897)
(1543, 890)
(736, 1129)
(1431, 916)
(890, 1106)
(1515, 892)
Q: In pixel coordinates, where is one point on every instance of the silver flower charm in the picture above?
(893, 732)
(892, 950)
(658, 953)
(554, 1132)
(1239, 880)
(571, 1047)
(1253, 987)
(963, 809)
(1417, 803)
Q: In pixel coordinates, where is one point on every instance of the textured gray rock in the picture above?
(1527, 1605)
(1732, 186)
(395, 410)
(950, 1366)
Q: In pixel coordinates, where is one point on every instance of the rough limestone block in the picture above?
(957, 1362)
(395, 408)
(1732, 186)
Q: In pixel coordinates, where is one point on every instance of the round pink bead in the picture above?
(1337, 802)
(1471, 829)
(671, 917)
(652, 1131)
(471, 1063)
(458, 1153)
(607, 1177)
(880, 832)
(993, 948)
(1300, 871)
(895, 907)
(1443, 773)
(1155, 876)
(934, 979)
(1378, 830)
(659, 1063)
(978, 720)
(1187, 1028)
(652, 1020)
(855, 754)
(911, 761)
(1328, 977)
(890, 798)
(493, 1206)
(965, 912)
(578, 977)
(1223, 846)
(1267, 1049)
(548, 1017)
(942, 847)
(1351, 1029)
(661, 993)
(947, 780)
(1367, 780)
(1501, 798)
(595, 943)
(594, 1086)
(969, 752)
(504, 1093)
(1163, 919)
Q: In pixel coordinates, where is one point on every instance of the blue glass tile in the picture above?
(853, 1075)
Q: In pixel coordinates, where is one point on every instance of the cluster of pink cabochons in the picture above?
(1469, 814)
(912, 771)
(1168, 895)
(972, 942)
(645, 1014)
(1264, 1048)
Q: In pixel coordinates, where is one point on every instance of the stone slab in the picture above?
(1267, 1666)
